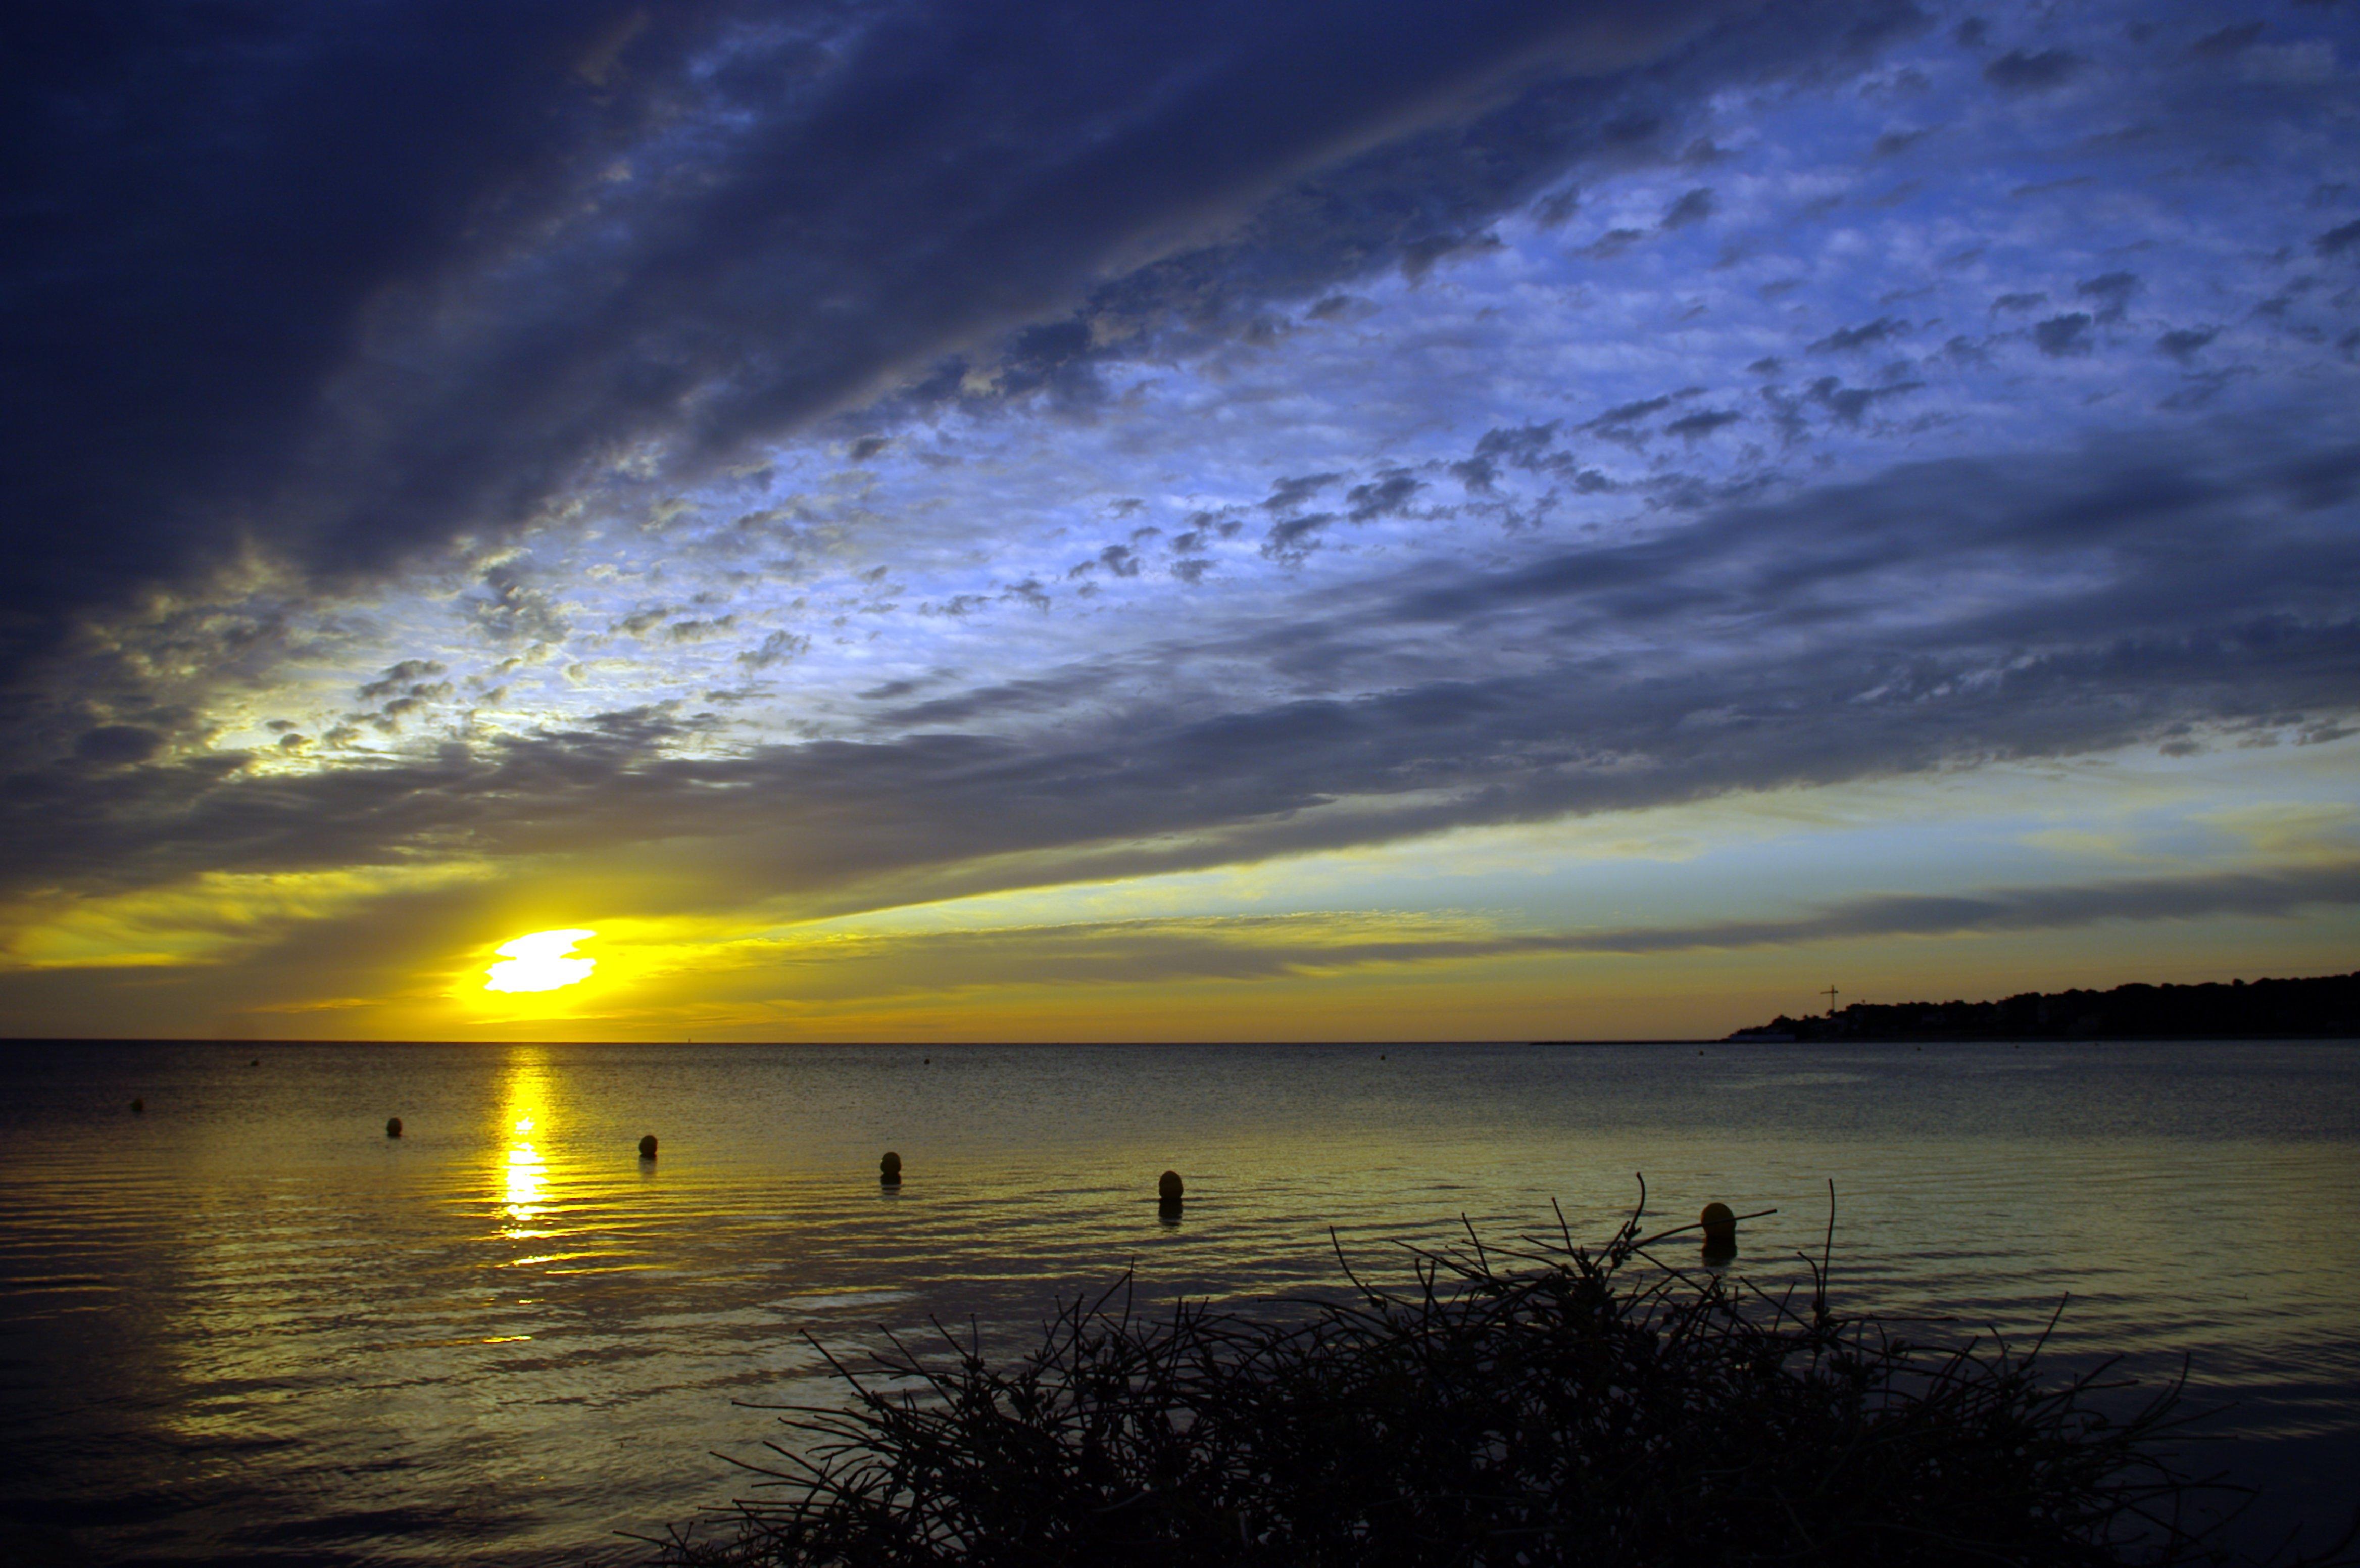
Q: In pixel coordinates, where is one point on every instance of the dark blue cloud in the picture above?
(2021, 71)
(349, 283)
(203, 201)
(2068, 333)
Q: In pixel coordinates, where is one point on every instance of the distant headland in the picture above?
(2325, 1008)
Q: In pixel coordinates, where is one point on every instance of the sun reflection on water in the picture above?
(527, 1180)
(525, 1173)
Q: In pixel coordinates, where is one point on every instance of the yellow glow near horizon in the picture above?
(541, 962)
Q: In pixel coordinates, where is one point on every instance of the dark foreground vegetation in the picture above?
(1551, 1405)
(2326, 1007)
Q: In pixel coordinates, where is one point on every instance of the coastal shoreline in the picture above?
(2324, 1008)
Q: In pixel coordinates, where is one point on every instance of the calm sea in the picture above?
(245, 1325)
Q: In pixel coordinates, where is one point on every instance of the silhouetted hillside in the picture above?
(2268, 1009)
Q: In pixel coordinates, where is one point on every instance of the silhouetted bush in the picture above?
(1552, 1405)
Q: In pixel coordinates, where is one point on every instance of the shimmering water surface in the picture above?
(245, 1325)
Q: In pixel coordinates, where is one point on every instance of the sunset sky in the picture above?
(1227, 521)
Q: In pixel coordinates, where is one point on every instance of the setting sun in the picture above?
(541, 962)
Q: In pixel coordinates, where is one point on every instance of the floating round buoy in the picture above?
(1169, 1187)
(888, 1169)
(1720, 1230)
(647, 1147)
(393, 1126)
(139, 1107)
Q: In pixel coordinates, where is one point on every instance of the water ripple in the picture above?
(246, 1326)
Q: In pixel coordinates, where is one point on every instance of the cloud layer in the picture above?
(1935, 617)
(749, 464)
(352, 289)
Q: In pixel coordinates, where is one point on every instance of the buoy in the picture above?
(1168, 1207)
(888, 1169)
(393, 1126)
(647, 1147)
(139, 1107)
(1720, 1230)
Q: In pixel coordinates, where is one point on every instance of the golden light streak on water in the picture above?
(525, 1173)
(504, 1336)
